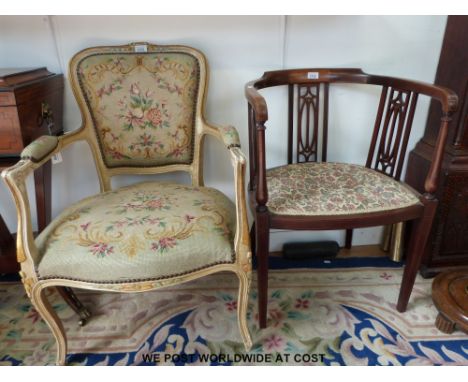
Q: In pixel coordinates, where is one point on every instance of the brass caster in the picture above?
(85, 315)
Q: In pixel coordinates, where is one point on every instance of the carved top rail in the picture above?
(446, 96)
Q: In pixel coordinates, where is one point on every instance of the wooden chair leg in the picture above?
(48, 314)
(349, 239)
(262, 239)
(252, 238)
(70, 298)
(419, 237)
(242, 307)
(42, 182)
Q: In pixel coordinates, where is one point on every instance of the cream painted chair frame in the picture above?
(38, 153)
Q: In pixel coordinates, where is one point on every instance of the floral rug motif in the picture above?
(343, 316)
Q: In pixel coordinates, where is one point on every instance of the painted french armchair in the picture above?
(142, 113)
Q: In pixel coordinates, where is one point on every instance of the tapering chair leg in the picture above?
(252, 238)
(242, 307)
(349, 239)
(419, 238)
(48, 314)
(262, 239)
(70, 298)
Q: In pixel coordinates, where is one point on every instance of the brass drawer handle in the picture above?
(47, 116)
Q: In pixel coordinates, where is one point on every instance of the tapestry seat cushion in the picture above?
(314, 189)
(146, 231)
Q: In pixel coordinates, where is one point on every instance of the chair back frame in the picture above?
(89, 132)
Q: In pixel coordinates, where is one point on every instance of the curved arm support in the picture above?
(33, 156)
(230, 138)
(257, 101)
(242, 237)
(262, 189)
(432, 178)
(227, 134)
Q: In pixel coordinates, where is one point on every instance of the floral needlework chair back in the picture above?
(143, 105)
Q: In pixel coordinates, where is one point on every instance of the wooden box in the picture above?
(31, 99)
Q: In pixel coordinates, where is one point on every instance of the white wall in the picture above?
(239, 49)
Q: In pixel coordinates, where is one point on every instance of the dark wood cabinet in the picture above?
(448, 247)
(31, 102)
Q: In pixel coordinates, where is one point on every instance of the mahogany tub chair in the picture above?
(310, 194)
(142, 111)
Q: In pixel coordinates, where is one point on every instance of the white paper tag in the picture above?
(312, 75)
(141, 48)
(57, 158)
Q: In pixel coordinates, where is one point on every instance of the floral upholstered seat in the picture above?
(151, 230)
(333, 189)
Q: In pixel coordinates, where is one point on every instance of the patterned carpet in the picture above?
(336, 316)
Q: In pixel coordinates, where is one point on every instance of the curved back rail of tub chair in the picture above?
(142, 107)
(308, 116)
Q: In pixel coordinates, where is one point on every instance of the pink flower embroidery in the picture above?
(231, 305)
(301, 303)
(101, 249)
(134, 89)
(277, 317)
(154, 116)
(178, 89)
(100, 92)
(189, 218)
(116, 154)
(134, 119)
(85, 226)
(154, 221)
(386, 276)
(177, 152)
(155, 204)
(274, 343)
(146, 140)
(115, 138)
(164, 244)
(33, 315)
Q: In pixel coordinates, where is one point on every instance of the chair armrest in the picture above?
(230, 138)
(227, 134)
(257, 102)
(33, 156)
(257, 116)
(432, 179)
(242, 238)
(42, 147)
